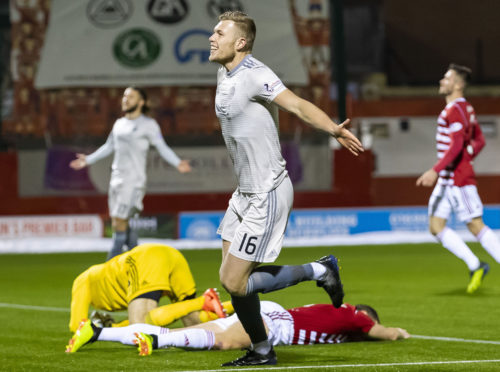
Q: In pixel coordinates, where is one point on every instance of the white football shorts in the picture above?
(255, 224)
(464, 201)
(125, 202)
(279, 323)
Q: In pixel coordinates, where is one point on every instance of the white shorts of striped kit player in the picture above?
(279, 323)
(255, 223)
(464, 201)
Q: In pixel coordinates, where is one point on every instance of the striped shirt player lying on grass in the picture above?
(306, 325)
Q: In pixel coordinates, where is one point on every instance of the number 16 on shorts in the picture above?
(256, 248)
(248, 245)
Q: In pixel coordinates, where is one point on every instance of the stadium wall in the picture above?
(354, 185)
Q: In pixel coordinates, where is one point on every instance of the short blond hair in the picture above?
(245, 24)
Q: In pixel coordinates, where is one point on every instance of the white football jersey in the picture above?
(130, 141)
(249, 122)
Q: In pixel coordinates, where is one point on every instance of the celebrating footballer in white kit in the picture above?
(129, 140)
(247, 100)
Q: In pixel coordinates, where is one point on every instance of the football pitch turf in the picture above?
(419, 287)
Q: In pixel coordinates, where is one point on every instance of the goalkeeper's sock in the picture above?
(164, 315)
(228, 307)
(123, 323)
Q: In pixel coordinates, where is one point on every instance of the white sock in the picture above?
(196, 338)
(490, 242)
(126, 335)
(452, 242)
(319, 270)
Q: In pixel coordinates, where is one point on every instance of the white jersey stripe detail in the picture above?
(312, 337)
(302, 337)
(443, 130)
(322, 338)
(271, 212)
(442, 138)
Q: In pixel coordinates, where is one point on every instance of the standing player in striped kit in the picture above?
(247, 100)
(129, 140)
(459, 141)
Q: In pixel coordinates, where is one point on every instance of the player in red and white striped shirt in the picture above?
(459, 141)
(306, 325)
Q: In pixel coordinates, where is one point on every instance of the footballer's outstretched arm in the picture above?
(380, 332)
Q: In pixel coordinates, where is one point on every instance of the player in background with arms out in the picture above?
(306, 325)
(135, 281)
(247, 100)
(129, 140)
(459, 141)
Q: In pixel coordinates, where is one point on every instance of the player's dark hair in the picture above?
(145, 108)
(370, 311)
(464, 72)
(245, 23)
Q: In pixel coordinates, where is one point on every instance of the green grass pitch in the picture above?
(420, 287)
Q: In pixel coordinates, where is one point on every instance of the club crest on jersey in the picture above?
(270, 88)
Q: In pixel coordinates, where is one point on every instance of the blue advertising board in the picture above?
(315, 223)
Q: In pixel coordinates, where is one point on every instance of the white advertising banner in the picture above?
(83, 226)
(156, 42)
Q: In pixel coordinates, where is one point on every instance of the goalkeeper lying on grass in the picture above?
(135, 281)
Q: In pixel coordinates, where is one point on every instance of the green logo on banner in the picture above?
(136, 48)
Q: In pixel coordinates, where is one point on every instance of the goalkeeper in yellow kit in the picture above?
(136, 280)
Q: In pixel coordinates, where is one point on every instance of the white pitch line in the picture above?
(436, 338)
(333, 366)
(46, 308)
(454, 339)
(31, 307)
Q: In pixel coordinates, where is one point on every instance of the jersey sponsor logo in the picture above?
(455, 127)
(109, 13)
(192, 44)
(270, 87)
(136, 48)
(168, 11)
(216, 7)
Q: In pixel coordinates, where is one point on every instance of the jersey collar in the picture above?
(243, 61)
(459, 99)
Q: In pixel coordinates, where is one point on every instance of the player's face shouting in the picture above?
(131, 100)
(223, 42)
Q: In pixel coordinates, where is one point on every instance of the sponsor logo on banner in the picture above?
(202, 230)
(168, 11)
(216, 7)
(109, 13)
(137, 47)
(89, 226)
(171, 49)
(191, 44)
(199, 225)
